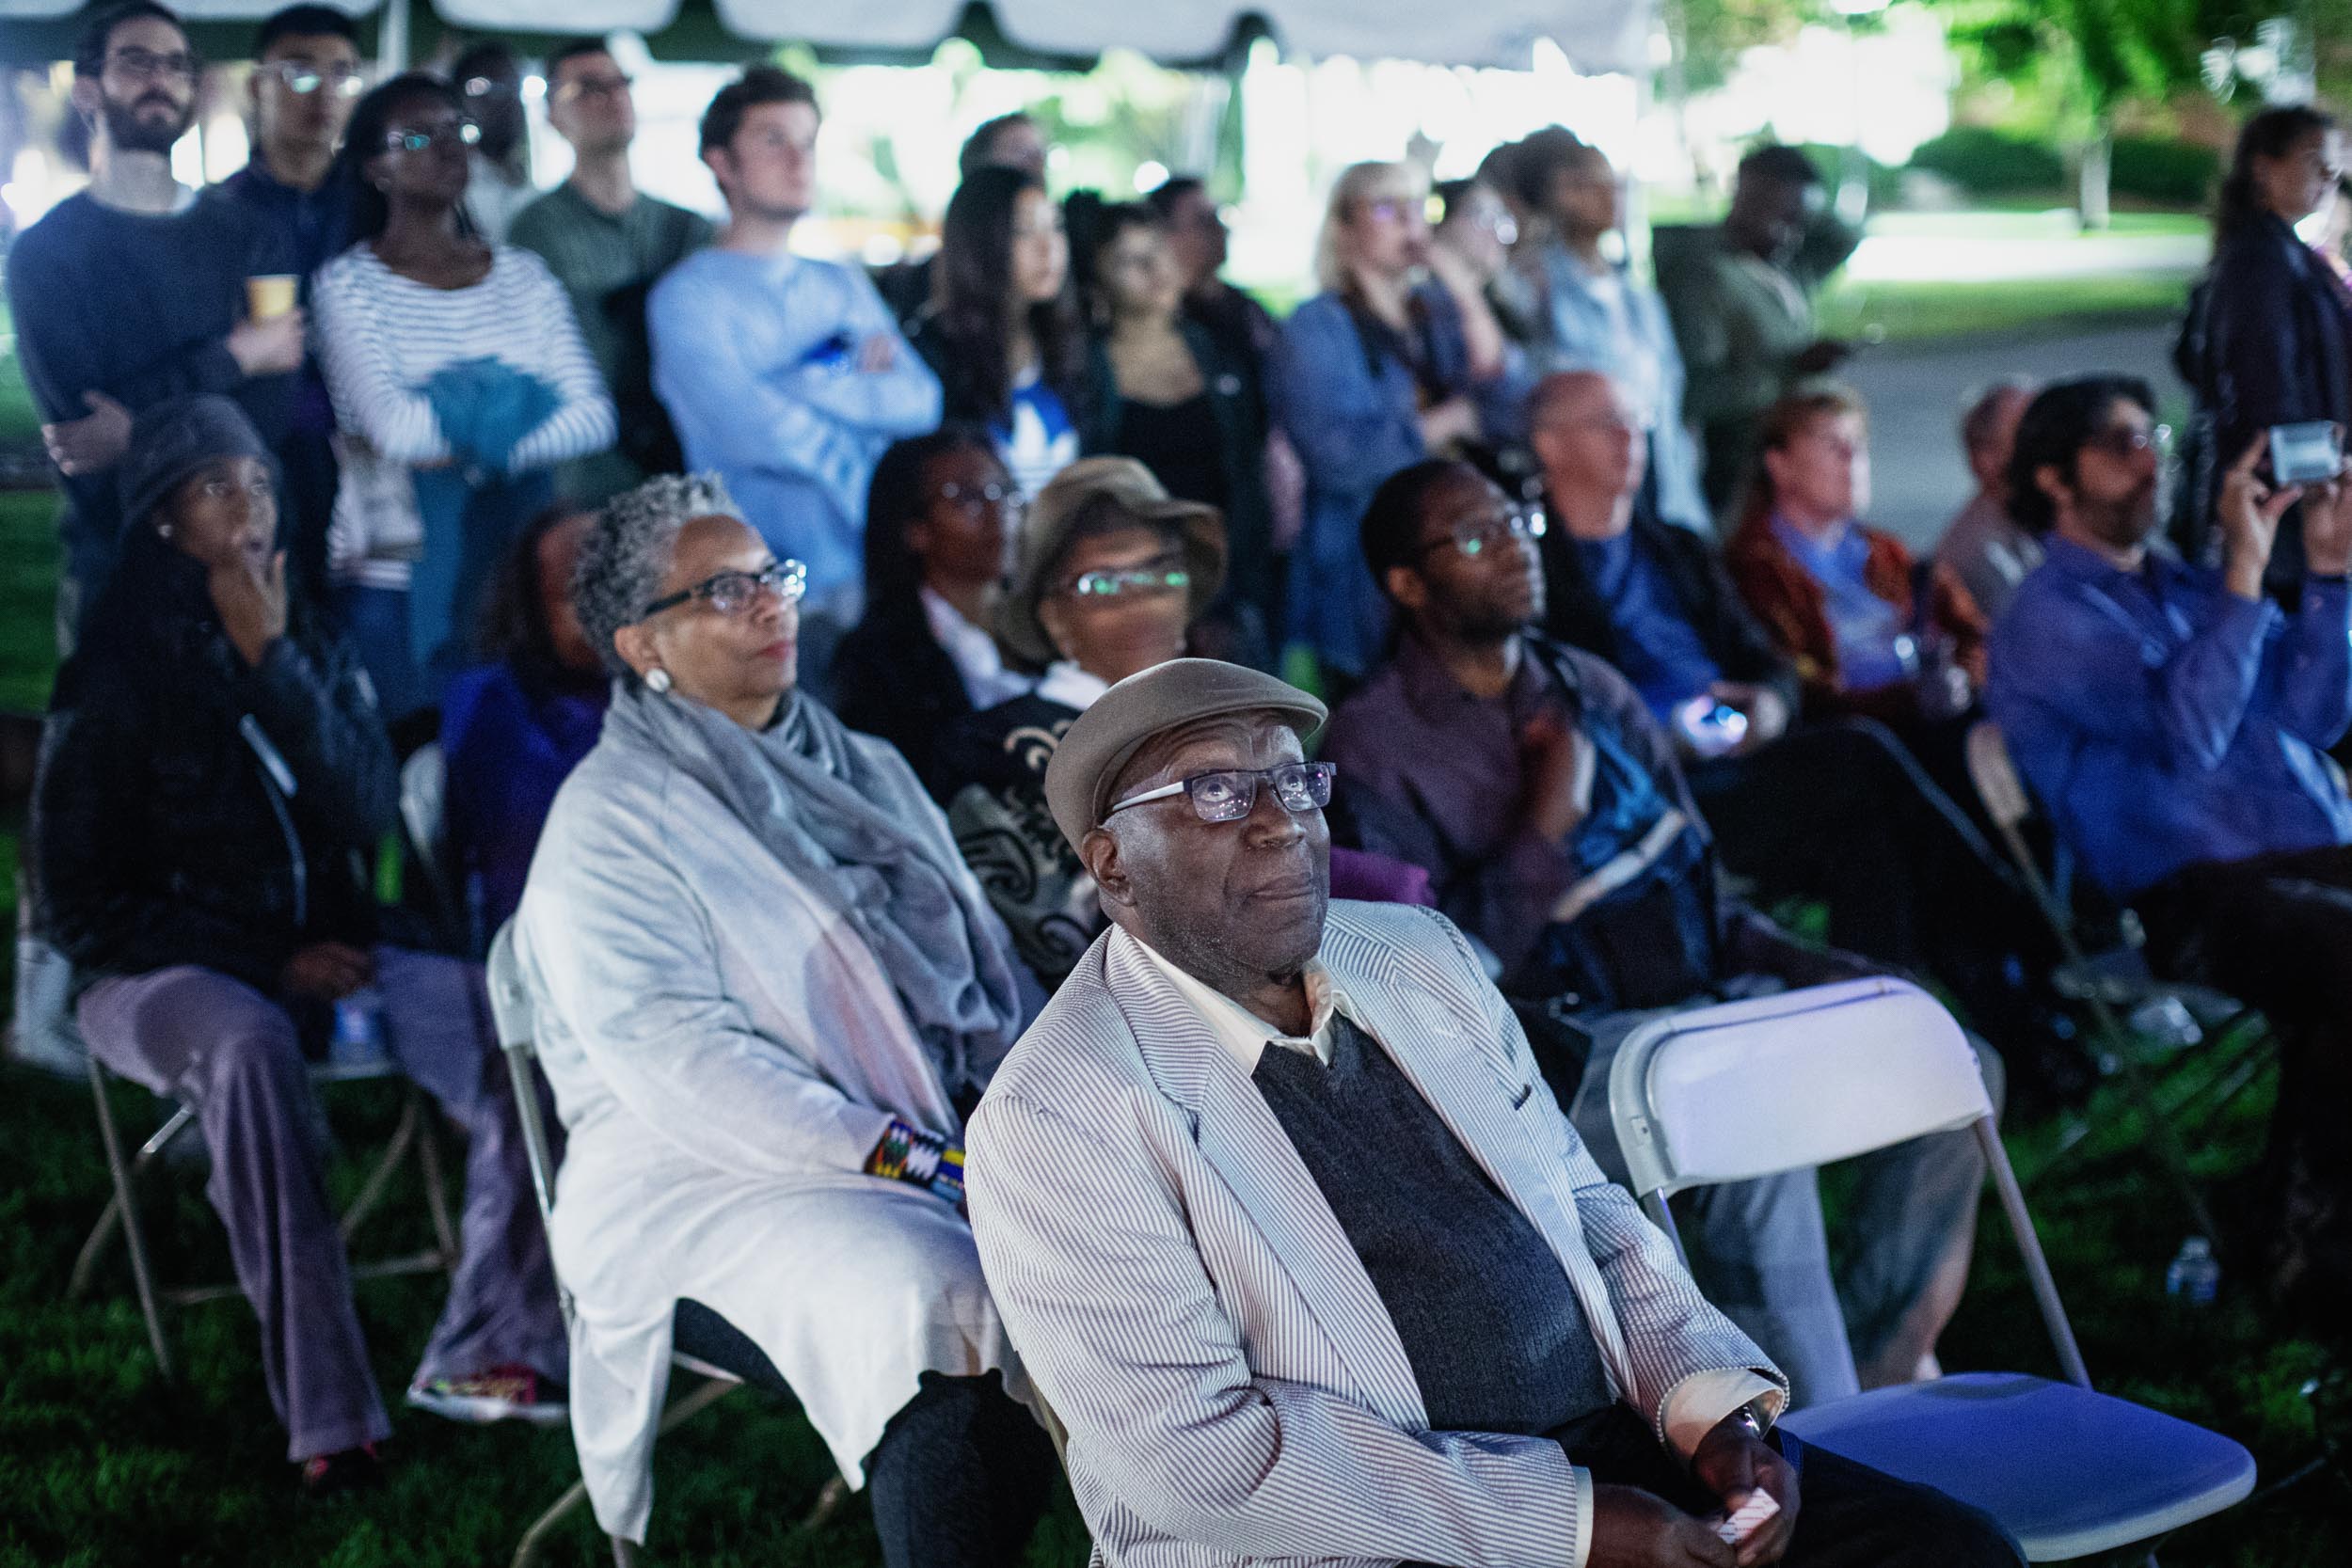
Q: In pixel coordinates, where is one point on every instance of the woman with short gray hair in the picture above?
(768, 992)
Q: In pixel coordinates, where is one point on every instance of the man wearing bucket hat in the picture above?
(214, 777)
(1113, 575)
(1291, 1233)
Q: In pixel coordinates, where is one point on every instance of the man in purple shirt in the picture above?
(1531, 782)
(2172, 720)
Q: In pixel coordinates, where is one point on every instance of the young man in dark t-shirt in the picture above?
(133, 290)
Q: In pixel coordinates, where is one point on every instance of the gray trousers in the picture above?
(1760, 1250)
(213, 1042)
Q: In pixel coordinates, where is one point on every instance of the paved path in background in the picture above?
(1915, 391)
(1885, 258)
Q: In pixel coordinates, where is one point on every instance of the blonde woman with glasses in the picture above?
(1398, 358)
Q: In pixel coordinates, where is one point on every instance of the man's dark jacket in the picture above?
(1575, 612)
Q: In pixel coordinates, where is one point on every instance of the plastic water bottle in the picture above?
(358, 1039)
(2195, 1274)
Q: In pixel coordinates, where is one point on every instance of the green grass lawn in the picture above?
(104, 1463)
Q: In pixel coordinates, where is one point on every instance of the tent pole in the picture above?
(391, 38)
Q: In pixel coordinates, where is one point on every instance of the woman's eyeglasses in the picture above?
(1231, 794)
(1475, 536)
(303, 80)
(2124, 442)
(735, 593)
(972, 497)
(463, 133)
(1129, 582)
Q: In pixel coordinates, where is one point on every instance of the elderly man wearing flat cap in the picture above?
(1287, 1226)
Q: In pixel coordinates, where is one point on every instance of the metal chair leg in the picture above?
(86, 1261)
(829, 1500)
(527, 1550)
(624, 1552)
(142, 1275)
(372, 1191)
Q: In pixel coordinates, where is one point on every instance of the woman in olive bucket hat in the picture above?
(1114, 577)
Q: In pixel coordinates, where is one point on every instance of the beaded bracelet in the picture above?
(919, 1158)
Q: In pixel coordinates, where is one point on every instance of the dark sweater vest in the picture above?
(1496, 1336)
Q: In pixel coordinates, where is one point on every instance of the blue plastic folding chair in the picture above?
(1755, 1088)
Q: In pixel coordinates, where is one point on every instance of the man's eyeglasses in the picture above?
(970, 498)
(148, 66)
(490, 86)
(416, 140)
(592, 86)
(1129, 582)
(340, 81)
(735, 593)
(1231, 794)
(2124, 442)
(1475, 536)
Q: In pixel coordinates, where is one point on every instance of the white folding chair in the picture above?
(1753, 1088)
(2111, 982)
(512, 1011)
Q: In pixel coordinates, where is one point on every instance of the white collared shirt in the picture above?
(973, 652)
(1069, 686)
(1244, 1035)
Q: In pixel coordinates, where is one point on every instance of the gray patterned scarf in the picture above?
(859, 832)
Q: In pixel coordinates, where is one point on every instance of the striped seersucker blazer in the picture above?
(1231, 1388)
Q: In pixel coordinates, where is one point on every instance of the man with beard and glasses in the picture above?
(133, 290)
(2172, 720)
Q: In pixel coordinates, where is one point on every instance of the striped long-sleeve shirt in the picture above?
(382, 336)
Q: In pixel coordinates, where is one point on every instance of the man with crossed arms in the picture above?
(1291, 1233)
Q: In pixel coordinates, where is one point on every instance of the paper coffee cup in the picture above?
(272, 294)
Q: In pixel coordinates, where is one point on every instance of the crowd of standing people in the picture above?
(797, 639)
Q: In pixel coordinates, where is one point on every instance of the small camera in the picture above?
(2310, 452)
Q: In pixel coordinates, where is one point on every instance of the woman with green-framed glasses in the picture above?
(1112, 574)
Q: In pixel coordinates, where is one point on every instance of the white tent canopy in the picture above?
(1598, 35)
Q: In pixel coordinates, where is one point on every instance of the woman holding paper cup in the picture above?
(459, 380)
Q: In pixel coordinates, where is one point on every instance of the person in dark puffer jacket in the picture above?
(214, 781)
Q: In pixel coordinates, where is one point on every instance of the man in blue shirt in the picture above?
(2172, 723)
(784, 373)
(306, 79)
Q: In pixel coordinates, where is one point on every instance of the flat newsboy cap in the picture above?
(1102, 741)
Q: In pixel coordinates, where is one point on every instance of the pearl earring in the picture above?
(162, 531)
(658, 681)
